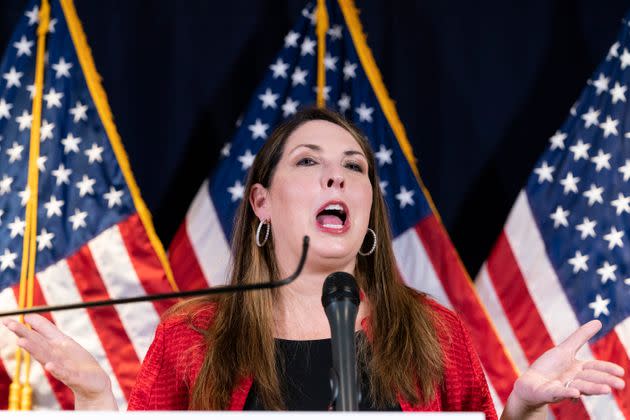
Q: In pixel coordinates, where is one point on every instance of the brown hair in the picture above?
(402, 356)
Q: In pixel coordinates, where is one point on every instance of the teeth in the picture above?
(334, 207)
(327, 225)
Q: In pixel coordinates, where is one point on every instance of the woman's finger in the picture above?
(43, 326)
(599, 377)
(589, 388)
(30, 341)
(604, 366)
(558, 392)
(581, 336)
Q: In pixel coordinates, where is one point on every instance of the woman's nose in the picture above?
(335, 181)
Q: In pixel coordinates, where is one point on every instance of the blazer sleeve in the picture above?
(160, 384)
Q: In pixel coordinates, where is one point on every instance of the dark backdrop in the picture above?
(480, 87)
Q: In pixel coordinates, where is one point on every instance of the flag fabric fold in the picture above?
(95, 239)
(353, 86)
(563, 257)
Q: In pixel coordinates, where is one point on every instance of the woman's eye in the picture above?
(353, 166)
(307, 161)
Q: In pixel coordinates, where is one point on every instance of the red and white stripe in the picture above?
(119, 262)
(523, 294)
(427, 261)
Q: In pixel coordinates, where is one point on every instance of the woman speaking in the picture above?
(270, 349)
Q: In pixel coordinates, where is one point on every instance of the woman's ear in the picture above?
(259, 200)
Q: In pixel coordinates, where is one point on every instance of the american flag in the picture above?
(563, 257)
(94, 235)
(200, 252)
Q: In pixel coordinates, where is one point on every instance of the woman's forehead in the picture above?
(324, 134)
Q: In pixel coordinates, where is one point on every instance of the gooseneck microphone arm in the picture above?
(172, 295)
(340, 298)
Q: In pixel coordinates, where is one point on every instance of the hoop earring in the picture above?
(371, 251)
(258, 230)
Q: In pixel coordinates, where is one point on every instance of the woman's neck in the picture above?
(298, 310)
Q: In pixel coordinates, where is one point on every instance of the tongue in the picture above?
(329, 219)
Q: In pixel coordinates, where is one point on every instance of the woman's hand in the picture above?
(558, 375)
(67, 361)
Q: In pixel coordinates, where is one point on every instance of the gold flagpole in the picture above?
(21, 395)
(322, 28)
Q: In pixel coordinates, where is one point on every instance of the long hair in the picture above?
(402, 356)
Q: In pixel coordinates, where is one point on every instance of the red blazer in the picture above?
(173, 361)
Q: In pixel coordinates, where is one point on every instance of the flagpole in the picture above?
(21, 395)
(322, 27)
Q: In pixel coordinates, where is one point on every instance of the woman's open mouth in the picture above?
(333, 217)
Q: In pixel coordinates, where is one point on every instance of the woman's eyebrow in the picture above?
(310, 146)
(354, 152)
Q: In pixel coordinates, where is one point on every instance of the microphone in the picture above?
(173, 295)
(340, 297)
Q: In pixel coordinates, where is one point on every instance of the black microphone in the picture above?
(173, 295)
(340, 297)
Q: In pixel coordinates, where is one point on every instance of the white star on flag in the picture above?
(594, 195)
(41, 163)
(289, 107)
(4, 109)
(23, 46)
(86, 185)
(62, 68)
(236, 191)
(384, 155)
(621, 204)
(7, 260)
(17, 227)
(308, 47)
(13, 78)
(405, 197)
(614, 238)
(94, 153)
(113, 197)
(625, 59)
(625, 170)
(599, 306)
(53, 99)
(258, 129)
(46, 130)
(291, 39)
(330, 62)
(601, 84)
(62, 174)
(279, 69)
(5, 184)
(601, 160)
(349, 70)
(33, 16)
(586, 228)
(79, 112)
(24, 195)
(335, 32)
(569, 183)
(591, 117)
(78, 219)
(53, 207)
(44, 240)
(70, 144)
(383, 186)
(24, 120)
(344, 103)
(609, 126)
(607, 271)
(580, 150)
(268, 99)
(15, 152)
(579, 262)
(559, 217)
(365, 113)
(557, 140)
(618, 93)
(544, 173)
(299, 77)
(247, 159)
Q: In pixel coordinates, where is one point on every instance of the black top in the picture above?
(306, 379)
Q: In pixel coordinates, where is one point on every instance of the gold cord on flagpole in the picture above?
(21, 395)
(322, 28)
